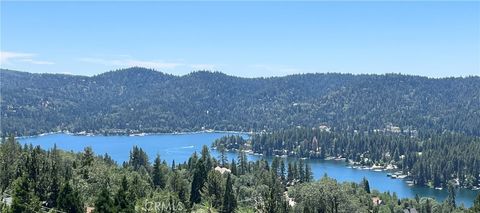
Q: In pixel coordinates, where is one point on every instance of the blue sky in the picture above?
(249, 39)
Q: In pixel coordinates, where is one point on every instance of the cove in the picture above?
(179, 147)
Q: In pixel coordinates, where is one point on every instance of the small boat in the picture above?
(138, 134)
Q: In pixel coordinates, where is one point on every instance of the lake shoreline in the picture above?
(351, 164)
(136, 134)
(179, 148)
(391, 170)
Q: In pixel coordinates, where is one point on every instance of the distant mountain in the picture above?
(139, 99)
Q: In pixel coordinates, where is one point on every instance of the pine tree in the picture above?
(428, 206)
(23, 198)
(450, 201)
(68, 200)
(122, 202)
(108, 159)
(229, 201)
(243, 163)
(366, 185)
(192, 161)
(301, 171)
(86, 161)
(214, 188)
(274, 196)
(282, 170)
(290, 173)
(158, 176)
(275, 165)
(33, 166)
(295, 171)
(205, 157)
(138, 159)
(199, 177)
(136, 190)
(178, 185)
(233, 167)
(308, 173)
(54, 189)
(104, 203)
(223, 155)
(87, 157)
(9, 151)
(54, 183)
(476, 204)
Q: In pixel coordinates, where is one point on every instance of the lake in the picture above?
(179, 147)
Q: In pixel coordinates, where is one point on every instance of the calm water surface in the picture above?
(179, 147)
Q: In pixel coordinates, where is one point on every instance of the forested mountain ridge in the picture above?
(138, 99)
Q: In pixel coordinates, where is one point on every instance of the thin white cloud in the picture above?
(31, 61)
(7, 57)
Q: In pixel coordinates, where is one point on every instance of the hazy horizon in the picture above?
(233, 75)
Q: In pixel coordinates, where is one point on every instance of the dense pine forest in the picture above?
(433, 160)
(143, 100)
(421, 128)
(38, 180)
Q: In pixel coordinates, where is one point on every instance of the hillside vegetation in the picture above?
(143, 100)
(53, 180)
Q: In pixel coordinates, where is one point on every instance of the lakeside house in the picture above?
(376, 201)
(222, 170)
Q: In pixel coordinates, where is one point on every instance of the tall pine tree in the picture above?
(104, 202)
(23, 198)
(229, 201)
(158, 176)
(68, 200)
(122, 201)
(290, 173)
(308, 173)
(476, 204)
(199, 177)
(366, 185)
(450, 201)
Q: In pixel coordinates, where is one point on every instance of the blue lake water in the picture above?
(179, 147)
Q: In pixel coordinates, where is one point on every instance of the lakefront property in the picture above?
(239, 106)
